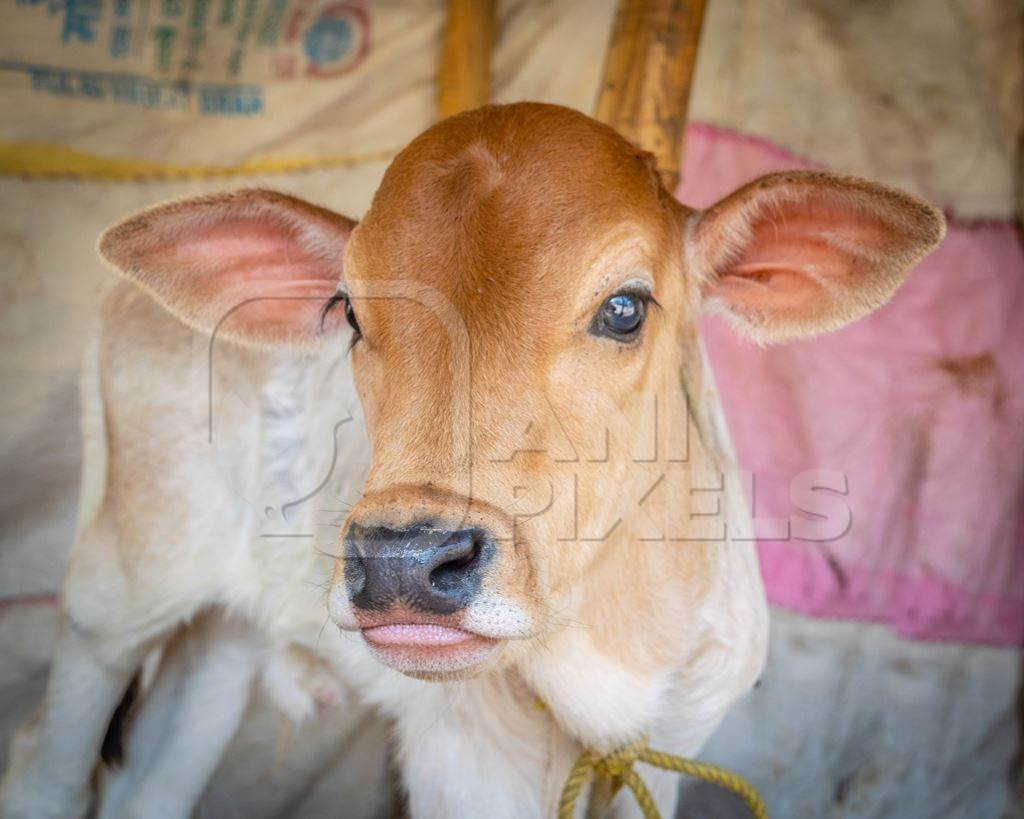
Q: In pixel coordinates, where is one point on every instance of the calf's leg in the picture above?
(186, 720)
(52, 758)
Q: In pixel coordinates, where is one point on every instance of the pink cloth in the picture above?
(921, 405)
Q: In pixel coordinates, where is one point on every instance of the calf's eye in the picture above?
(350, 315)
(620, 316)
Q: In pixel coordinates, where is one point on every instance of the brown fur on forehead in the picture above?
(492, 207)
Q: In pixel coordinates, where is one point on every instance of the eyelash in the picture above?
(330, 304)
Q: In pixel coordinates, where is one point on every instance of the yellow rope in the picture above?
(617, 768)
(56, 161)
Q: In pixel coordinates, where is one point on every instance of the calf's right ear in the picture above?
(254, 266)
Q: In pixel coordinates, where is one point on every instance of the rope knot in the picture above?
(619, 762)
(617, 769)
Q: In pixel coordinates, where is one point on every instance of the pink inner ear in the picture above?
(256, 274)
(799, 258)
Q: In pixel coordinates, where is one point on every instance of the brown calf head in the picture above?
(523, 296)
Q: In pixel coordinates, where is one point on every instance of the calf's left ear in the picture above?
(795, 254)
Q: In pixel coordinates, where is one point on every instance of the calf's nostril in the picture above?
(458, 560)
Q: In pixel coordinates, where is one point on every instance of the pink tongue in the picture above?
(415, 635)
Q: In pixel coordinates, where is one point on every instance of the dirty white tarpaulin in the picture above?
(850, 720)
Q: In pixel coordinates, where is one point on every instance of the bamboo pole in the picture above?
(648, 70)
(464, 78)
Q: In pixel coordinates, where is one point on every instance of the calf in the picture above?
(552, 549)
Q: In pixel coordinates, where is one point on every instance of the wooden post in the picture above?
(648, 70)
(464, 79)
